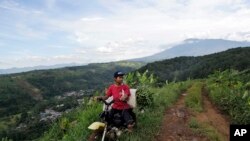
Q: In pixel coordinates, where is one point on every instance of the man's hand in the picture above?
(99, 98)
(124, 97)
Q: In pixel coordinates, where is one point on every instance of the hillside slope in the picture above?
(25, 97)
(27, 88)
(181, 68)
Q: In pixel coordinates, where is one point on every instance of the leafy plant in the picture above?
(144, 97)
(137, 79)
(6, 139)
(230, 91)
(142, 82)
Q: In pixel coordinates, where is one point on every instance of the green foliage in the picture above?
(13, 98)
(137, 79)
(193, 123)
(73, 126)
(34, 91)
(144, 97)
(204, 129)
(230, 91)
(76, 123)
(149, 122)
(142, 82)
(182, 68)
(131, 80)
(194, 98)
(167, 94)
(19, 93)
(64, 123)
(6, 139)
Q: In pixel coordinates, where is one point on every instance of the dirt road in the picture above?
(175, 125)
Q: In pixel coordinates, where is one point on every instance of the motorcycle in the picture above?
(111, 128)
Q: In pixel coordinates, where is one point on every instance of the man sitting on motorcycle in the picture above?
(120, 93)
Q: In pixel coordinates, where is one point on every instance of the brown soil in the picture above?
(175, 124)
(214, 117)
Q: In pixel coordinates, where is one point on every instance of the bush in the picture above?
(144, 97)
(228, 90)
(142, 82)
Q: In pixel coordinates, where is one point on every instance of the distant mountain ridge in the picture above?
(25, 69)
(194, 47)
(182, 68)
(189, 47)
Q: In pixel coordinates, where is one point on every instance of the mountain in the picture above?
(25, 96)
(182, 68)
(189, 47)
(25, 69)
(194, 47)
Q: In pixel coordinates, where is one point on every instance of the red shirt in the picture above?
(116, 91)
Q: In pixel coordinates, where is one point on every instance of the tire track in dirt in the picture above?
(213, 116)
(175, 124)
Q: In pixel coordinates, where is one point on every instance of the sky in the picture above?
(49, 32)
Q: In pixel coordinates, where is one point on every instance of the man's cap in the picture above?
(118, 73)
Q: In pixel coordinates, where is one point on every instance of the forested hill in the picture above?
(30, 101)
(19, 92)
(182, 68)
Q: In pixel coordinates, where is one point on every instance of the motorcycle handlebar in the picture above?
(107, 103)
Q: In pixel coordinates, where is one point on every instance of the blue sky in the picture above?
(48, 32)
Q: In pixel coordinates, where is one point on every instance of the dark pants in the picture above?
(128, 115)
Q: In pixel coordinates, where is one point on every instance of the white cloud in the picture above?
(50, 3)
(127, 49)
(5, 65)
(10, 5)
(238, 36)
(91, 19)
(81, 37)
(30, 33)
(162, 23)
(33, 60)
(16, 7)
(135, 28)
(57, 46)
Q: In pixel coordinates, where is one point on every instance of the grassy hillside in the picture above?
(37, 90)
(24, 96)
(25, 89)
(229, 90)
(181, 68)
(234, 102)
(76, 123)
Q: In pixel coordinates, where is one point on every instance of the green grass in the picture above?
(6, 122)
(149, 123)
(3, 125)
(205, 129)
(6, 139)
(230, 92)
(74, 126)
(194, 99)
